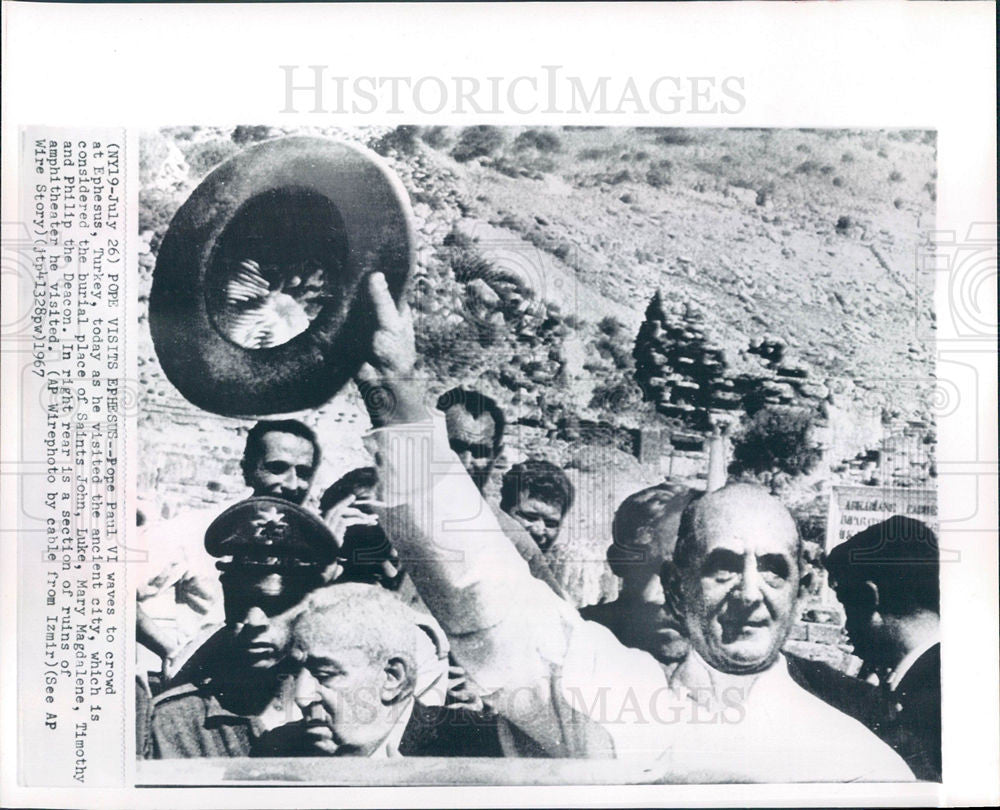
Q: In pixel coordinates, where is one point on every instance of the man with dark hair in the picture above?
(475, 431)
(361, 482)
(348, 507)
(644, 531)
(235, 686)
(475, 426)
(537, 494)
(887, 578)
(567, 686)
(355, 653)
(179, 596)
(280, 459)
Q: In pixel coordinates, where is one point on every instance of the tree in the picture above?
(776, 440)
(678, 367)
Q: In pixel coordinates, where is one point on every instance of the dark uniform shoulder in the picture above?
(175, 694)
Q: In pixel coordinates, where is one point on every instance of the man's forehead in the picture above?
(748, 534)
(746, 521)
(280, 442)
(470, 429)
(327, 643)
(319, 652)
(538, 506)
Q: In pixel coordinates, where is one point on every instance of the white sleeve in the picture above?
(565, 683)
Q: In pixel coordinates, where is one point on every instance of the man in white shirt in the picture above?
(567, 687)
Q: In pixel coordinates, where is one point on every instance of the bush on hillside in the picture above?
(478, 141)
(776, 440)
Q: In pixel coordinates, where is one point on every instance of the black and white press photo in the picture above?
(536, 455)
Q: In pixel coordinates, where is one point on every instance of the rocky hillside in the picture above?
(539, 251)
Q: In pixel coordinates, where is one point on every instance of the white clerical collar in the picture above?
(694, 665)
(908, 661)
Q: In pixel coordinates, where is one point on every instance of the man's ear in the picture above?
(398, 680)
(868, 593)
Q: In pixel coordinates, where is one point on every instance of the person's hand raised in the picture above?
(387, 379)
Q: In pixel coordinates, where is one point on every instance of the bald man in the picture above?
(568, 687)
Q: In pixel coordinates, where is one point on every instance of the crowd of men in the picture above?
(412, 616)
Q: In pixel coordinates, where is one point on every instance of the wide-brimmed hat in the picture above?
(258, 303)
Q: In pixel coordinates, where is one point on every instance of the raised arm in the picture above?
(542, 667)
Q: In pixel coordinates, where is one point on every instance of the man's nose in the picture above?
(256, 619)
(306, 692)
(292, 481)
(750, 583)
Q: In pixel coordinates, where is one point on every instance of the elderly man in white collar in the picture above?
(567, 687)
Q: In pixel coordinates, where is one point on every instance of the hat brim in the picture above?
(309, 542)
(219, 375)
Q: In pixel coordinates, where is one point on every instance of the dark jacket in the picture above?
(438, 731)
(863, 701)
(431, 731)
(189, 721)
(918, 723)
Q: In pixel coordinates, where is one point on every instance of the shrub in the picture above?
(676, 137)
(617, 397)
(435, 137)
(610, 326)
(402, 139)
(614, 343)
(464, 257)
(533, 169)
(776, 440)
(540, 139)
(156, 209)
(808, 167)
(895, 176)
(450, 349)
(478, 141)
(205, 156)
(593, 154)
(658, 177)
(244, 134)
